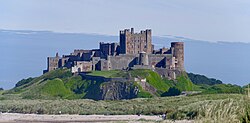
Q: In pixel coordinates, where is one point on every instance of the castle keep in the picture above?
(134, 51)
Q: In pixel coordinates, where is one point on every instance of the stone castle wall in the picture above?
(178, 53)
(134, 43)
(122, 61)
(157, 60)
(135, 51)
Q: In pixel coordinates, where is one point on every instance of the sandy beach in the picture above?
(26, 118)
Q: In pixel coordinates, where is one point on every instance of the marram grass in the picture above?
(212, 108)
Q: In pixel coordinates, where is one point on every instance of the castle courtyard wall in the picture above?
(82, 66)
(134, 51)
(157, 60)
(123, 61)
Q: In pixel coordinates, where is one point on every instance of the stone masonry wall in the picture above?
(123, 61)
(157, 60)
(134, 43)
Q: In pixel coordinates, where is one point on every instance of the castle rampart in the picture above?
(135, 51)
(178, 53)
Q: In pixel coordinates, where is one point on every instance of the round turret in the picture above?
(143, 58)
(178, 53)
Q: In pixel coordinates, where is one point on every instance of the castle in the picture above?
(134, 51)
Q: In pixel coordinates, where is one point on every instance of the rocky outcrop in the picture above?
(118, 90)
(147, 87)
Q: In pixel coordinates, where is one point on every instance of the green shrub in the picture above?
(201, 79)
(222, 88)
(24, 81)
(172, 91)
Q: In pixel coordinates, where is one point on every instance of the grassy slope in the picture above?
(204, 108)
(184, 83)
(142, 93)
(107, 74)
(153, 79)
(61, 84)
(55, 88)
(60, 73)
(52, 85)
(221, 88)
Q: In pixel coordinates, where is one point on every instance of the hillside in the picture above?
(110, 85)
(162, 85)
(201, 79)
(62, 84)
(53, 90)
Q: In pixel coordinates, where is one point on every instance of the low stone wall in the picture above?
(141, 67)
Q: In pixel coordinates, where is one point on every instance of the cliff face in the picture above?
(118, 90)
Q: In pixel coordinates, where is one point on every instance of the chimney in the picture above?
(132, 30)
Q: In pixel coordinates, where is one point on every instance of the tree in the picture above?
(24, 81)
(201, 79)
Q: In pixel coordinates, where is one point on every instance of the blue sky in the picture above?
(211, 20)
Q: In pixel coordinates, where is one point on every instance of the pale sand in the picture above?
(26, 118)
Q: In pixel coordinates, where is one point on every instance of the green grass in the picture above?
(184, 83)
(62, 84)
(59, 73)
(52, 85)
(107, 74)
(153, 79)
(49, 94)
(55, 88)
(221, 88)
(49, 89)
(142, 93)
(1, 92)
(74, 82)
(202, 108)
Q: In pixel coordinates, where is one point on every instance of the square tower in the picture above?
(135, 43)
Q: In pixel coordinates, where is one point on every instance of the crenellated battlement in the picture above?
(134, 51)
